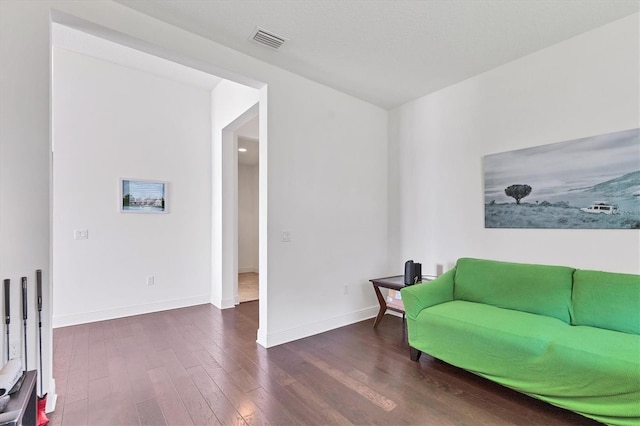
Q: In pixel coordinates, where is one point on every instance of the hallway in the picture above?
(248, 287)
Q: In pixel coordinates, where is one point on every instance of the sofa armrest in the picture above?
(420, 296)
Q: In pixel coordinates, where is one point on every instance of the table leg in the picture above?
(383, 306)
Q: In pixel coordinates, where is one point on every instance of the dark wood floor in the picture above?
(200, 365)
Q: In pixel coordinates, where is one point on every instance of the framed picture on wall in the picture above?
(587, 183)
(143, 196)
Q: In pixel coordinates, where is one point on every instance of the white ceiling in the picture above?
(384, 51)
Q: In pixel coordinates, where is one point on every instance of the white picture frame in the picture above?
(143, 196)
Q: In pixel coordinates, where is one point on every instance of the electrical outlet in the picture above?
(80, 234)
(285, 236)
(151, 280)
(346, 289)
(13, 350)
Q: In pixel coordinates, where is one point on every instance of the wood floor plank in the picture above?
(196, 405)
(121, 394)
(245, 381)
(198, 408)
(101, 403)
(98, 360)
(141, 386)
(280, 363)
(98, 389)
(221, 406)
(186, 358)
(275, 412)
(150, 414)
(301, 411)
(75, 413)
(240, 401)
(76, 385)
(326, 412)
(170, 403)
(135, 324)
(357, 386)
(342, 399)
(228, 363)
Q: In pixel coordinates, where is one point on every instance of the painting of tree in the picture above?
(592, 182)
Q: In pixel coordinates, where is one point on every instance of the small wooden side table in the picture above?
(395, 282)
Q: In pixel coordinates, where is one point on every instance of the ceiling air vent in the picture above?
(266, 38)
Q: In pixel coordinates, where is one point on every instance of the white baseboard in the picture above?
(247, 269)
(228, 303)
(224, 303)
(126, 311)
(300, 332)
(52, 397)
(261, 337)
(394, 313)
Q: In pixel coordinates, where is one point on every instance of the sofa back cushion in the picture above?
(607, 300)
(537, 289)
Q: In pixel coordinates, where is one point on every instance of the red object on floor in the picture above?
(42, 419)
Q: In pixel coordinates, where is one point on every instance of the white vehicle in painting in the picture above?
(601, 207)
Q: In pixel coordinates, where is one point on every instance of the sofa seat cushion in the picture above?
(598, 374)
(485, 339)
(588, 370)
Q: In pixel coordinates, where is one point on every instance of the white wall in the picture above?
(113, 122)
(24, 165)
(328, 187)
(585, 86)
(247, 218)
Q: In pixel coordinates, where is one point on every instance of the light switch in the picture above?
(286, 236)
(80, 234)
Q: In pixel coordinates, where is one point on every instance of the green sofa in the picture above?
(566, 336)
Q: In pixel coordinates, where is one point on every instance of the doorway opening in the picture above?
(240, 208)
(248, 211)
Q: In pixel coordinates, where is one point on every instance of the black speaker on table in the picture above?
(412, 272)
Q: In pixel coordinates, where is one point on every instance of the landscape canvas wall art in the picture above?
(587, 183)
(143, 196)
